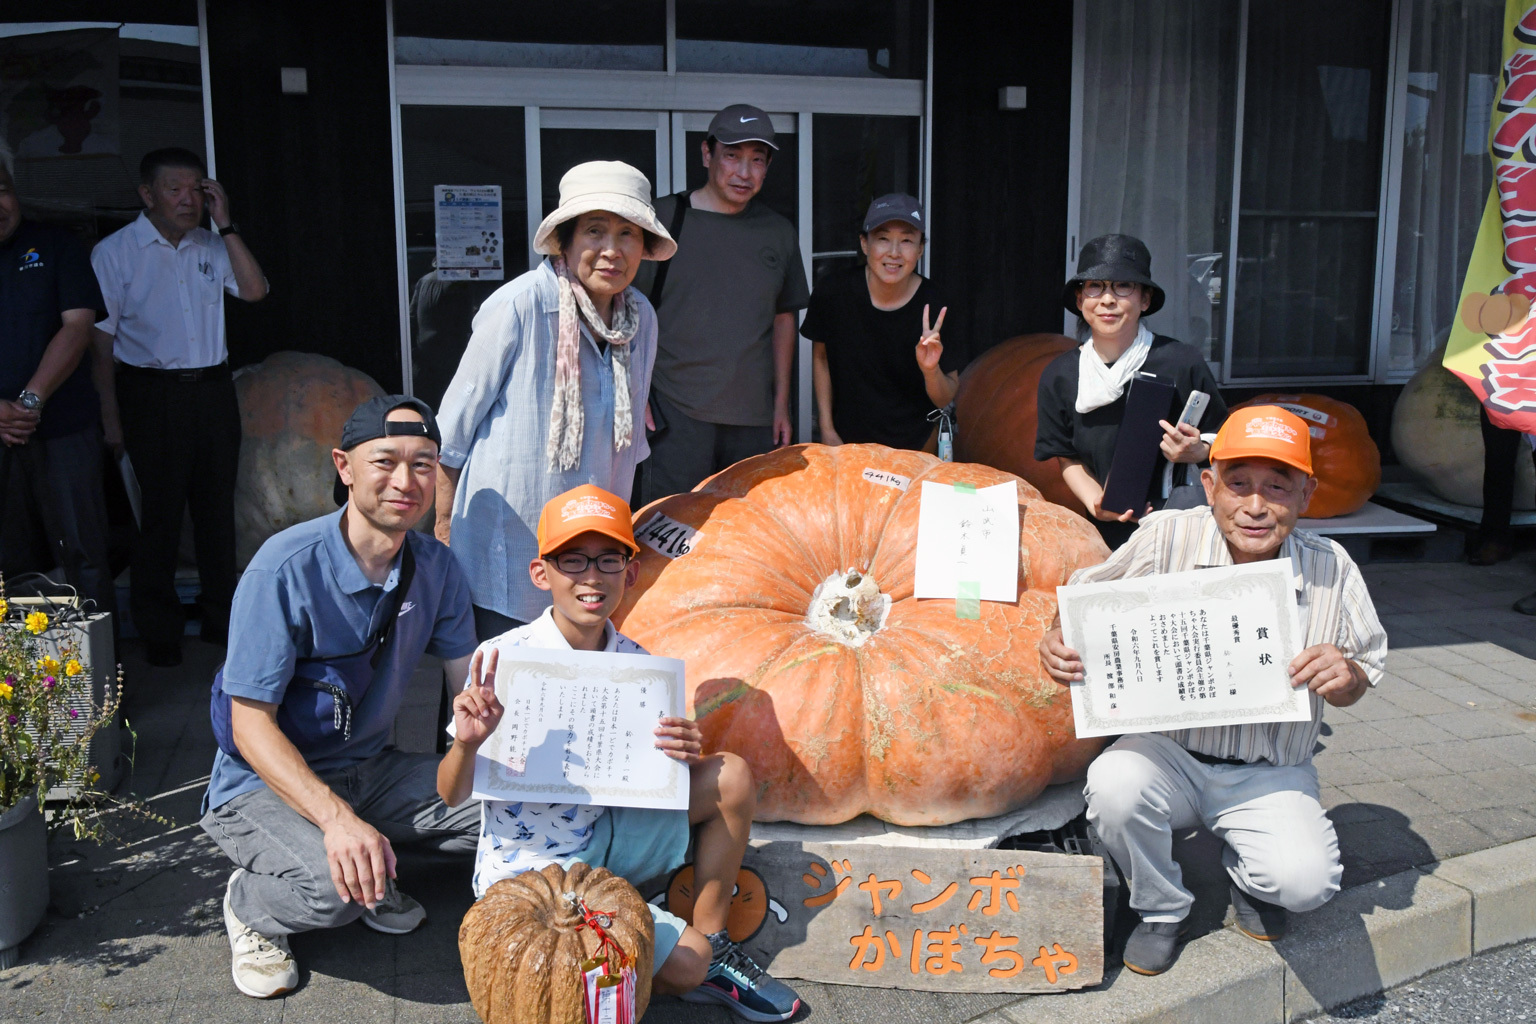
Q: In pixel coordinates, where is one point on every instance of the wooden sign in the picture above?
(937, 920)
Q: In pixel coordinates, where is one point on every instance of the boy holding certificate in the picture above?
(587, 559)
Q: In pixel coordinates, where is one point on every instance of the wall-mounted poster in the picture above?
(470, 242)
(59, 93)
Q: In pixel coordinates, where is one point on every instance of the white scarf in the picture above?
(1097, 384)
(566, 419)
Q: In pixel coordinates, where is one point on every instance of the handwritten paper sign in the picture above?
(938, 920)
(470, 241)
(1185, 650)
(579, 728)
(666, 536)
(968, 543)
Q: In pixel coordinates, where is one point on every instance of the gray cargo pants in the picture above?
(286, 886)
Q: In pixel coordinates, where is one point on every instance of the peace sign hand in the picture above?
(929, 347)
(476, 711)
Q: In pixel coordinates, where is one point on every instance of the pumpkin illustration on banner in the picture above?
(1345, 460)
(522, 948)
(996, 417)
(786, 584)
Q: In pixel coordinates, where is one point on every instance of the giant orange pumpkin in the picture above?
(1345, 460)
(522, 950)
(995, 414)
(790, 599)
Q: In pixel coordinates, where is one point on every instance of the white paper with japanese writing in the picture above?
(1185, 650)
(968, 535)
(471, 245)
(579, 728)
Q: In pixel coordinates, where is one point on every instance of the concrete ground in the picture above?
(1439, 762)
(1496, 988)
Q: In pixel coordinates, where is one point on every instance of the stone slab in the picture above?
(1051, 809)
(1502, 882)
(1218, 979)
(1372, 519)
(933, 920)
(1372, 937)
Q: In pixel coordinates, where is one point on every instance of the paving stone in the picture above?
(1401, 763)
(1450, 835)
(1518, 750)
(1512, 785)
(1462, 756)
(1414, 702)
(1395, 795)
(1411, 732)
(1373, 937)
(1503, 824)
(1502, 882)
(1472, 724)
(1345, 769)
(1359, 736)
(1456, 793)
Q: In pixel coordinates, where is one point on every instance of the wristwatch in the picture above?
(29, 400)
(232, 229)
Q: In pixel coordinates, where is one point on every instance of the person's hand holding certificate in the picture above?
(1185, 650)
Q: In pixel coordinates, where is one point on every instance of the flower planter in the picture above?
(23, 876)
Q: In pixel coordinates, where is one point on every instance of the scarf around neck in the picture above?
(1097, 384)
(567, 416)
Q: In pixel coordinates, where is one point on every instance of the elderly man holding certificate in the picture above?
(1184, 763)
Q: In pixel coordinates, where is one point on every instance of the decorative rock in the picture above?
(292, 408)
(1436, 434)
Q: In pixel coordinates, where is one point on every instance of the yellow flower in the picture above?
(49, 665)
(4, 608)
(72, 667)
(6, 691)
(36, 622)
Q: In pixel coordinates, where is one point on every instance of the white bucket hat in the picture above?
(609, 185)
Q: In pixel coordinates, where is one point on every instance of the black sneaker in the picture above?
(736, 980)
(1153, 946)
(1256, 918)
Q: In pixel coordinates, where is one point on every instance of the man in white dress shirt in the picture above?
(163, 279)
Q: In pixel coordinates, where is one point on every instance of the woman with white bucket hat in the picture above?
(550, 393)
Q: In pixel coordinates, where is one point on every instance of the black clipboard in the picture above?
(1136, 447)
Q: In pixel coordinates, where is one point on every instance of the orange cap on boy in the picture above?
(585, 509)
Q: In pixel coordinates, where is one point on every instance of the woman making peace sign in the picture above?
(879, 364)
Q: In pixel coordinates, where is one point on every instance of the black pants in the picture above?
(1500, 449)
(50, 488)
(690, 450)
(183, 438)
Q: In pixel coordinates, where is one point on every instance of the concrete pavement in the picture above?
(1440, 762)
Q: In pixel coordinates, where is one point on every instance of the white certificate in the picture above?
(579, 728)
(968, 542)
(1185, 650)
(470, 241)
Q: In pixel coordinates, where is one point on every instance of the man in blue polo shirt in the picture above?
(328, 623)
(50, 420)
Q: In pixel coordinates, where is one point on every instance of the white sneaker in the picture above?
(396, 913)
(262, 967)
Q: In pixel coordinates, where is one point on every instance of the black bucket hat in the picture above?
(1114, 258)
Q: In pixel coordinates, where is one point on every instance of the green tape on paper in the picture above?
(965, 488)
(968, 599)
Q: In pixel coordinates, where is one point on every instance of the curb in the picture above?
(1366, 939)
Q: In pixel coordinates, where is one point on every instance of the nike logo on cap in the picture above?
(746, 119)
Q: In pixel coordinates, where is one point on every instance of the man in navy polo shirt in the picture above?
(50, 420)
(309, 807)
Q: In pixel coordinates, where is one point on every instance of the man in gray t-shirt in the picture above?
(726, 315)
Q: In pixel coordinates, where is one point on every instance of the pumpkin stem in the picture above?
(848, 607)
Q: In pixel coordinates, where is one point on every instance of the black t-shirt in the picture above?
(1090, 437)
(878, 394)
(44, 271)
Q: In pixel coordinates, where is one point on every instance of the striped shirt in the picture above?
(1332, 601)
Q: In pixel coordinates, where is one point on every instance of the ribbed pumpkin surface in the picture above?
(933, 718)
(995, 412)
(522, 951)
(1345, 460)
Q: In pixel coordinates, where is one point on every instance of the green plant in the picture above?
(47, 719)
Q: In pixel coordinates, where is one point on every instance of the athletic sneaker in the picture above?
(736, 980)
(396, 913)
(262, 967)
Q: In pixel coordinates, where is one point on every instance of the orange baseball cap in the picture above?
(1265, 432)
(585, 509)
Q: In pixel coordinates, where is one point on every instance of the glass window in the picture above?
(1158, 138)
(1313, 122)
(1453, 74)
(856, 158)
(82, 102)
(455, 146)
(838, 38)
(605, 35)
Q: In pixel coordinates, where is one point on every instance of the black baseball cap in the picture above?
(742, 122)
(895, 206)
(370, 421)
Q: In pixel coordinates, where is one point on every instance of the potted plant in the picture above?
(47, 718)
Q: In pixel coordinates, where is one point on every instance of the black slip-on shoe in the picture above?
(1153, 947)
(1526, 605)
(1256, 918)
